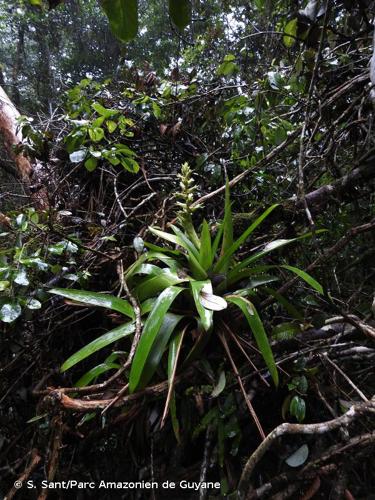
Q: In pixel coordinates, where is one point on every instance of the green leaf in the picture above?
(104, 112)
(289, 39)
(150, 331)
(91, 164)
(33, 304)
(154, 284)
(270, 247)
(129, 164)
(99, 343)
(96, 134)
(95, 372)
(111, 126)
(257, 328)
(306, 277)
(205, 315)
(205, 253)
(10, 312)
(170, 321)
(180, 12)
(220, 386)
(4, 285)
(224, 259)
(21, 278)
(297, 408)
(227, 243)
(123, 17)
(96, 299)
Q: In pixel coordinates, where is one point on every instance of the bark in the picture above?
(346, 187)
(11, 137)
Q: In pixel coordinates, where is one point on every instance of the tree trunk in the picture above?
(17, 164)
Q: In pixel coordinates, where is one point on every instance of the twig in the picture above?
(324, 356)
(247, 400)
(204, 466)
(352, 414)
(35, 460)
(327, 254)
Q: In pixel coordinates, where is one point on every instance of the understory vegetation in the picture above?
(187, 259)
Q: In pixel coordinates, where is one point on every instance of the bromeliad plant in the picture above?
(188, 288)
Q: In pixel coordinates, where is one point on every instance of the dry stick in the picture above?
(97, 404)
(245, 354)
(56, 442)
(270, 156)
(327, 254)
(278, 149)
(204, 467)
(318, 466)
(248, 402)
(352, 414)
(137, 334)
(324, 356)
(302, 153)
(172, 379)
(35, 460)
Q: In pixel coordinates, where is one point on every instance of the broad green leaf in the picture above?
(297, 408)
(96, 134)
(289, 39)
(91, 164)
(10, 312)
(21, 278)
(130, 165)
(33, 304)
(180, 12)
(224, 259)
(306, 277)
(104, 112)
(4, 285)
(205, 252)
(99, 343)
(96, 299)
(206, 315)
(123, 17)
(111, 126)
(257, 328)
(150, 331)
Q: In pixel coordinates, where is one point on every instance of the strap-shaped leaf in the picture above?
(223, 261)
(97, 344)
(306, 277)
(150, 331)
(180, 12)
(227, 233)
(95, 372)
(205, 315)
(205, 252)
(96, 299)
(168, 326)
(123, 17)
(234, 274)
(152, 285)
(257, 328)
